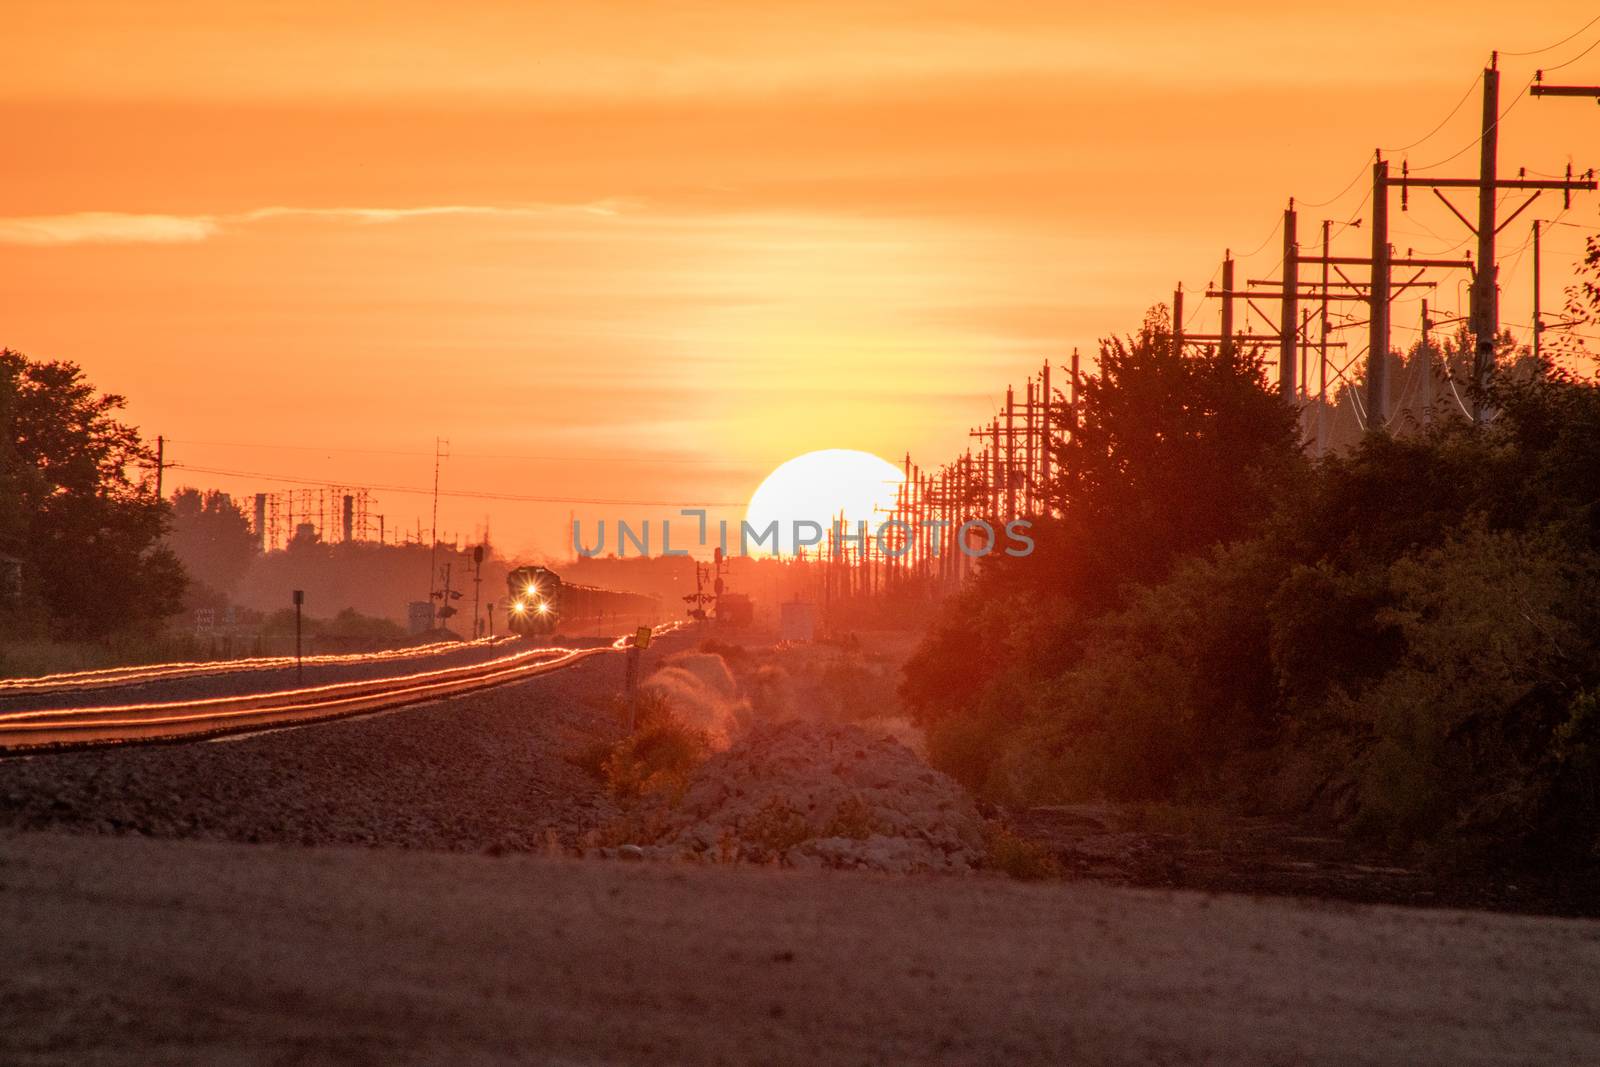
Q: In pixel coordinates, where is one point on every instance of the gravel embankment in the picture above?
(483, 771)
(815, 794)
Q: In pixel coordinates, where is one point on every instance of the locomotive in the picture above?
(539, 602)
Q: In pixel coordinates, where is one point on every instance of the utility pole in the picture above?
(1075, 383)
(1288, 323)
(1027, 452)
(1044, 437)
(1011, 455)
(994, 467)
(161, 462)
(299, 602)
(1485, 296)
(439, 453)
(1538, 327)
(477, 586)
(1177, 320)
(1378, 299)
(1227, 306)
(1322, 353)
(1485, 315)
(1427, 368)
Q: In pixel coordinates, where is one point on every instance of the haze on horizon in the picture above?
(628, 254)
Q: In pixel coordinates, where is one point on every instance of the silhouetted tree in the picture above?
(211, 538)
(88, 534)
(1171, 453)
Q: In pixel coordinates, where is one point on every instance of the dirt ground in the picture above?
(132, 951)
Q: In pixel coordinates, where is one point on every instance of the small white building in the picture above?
(797, 621)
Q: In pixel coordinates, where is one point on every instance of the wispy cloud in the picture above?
(116, 227)
(105, 227)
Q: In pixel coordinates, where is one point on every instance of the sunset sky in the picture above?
(648, 252)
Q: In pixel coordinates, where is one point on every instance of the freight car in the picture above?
(539, 602)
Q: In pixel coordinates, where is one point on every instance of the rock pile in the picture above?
(812, 794)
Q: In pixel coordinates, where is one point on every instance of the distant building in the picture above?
(797, 621)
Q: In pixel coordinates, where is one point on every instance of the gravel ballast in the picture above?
(486, 771)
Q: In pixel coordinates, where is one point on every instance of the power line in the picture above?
(458, 493)
(1473, 84)
(1559, 43)
(1351, 184)
(630, 460)
(1575, 58)
(1479, 139)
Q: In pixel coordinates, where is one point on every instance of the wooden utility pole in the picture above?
(1427, 368)
(1028, 421)
(1538, 327)
(1011, 455)
(1305, 350)
(1485, 314)
(1485, 295)
(161, 462)
(1322, 353)
(994, 466)
(1075, 381)
(1177, 320)
(1289, 321)
(1378, 298)
(299, 603)
(1227, 304)
(1044, 457)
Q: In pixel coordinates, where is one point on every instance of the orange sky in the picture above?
(682, 243)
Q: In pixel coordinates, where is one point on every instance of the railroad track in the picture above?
(28, 731)
(120, 677)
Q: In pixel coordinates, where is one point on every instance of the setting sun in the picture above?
(818, 486)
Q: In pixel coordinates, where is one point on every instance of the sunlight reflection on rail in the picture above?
(106, 677)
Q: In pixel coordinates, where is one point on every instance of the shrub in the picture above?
(1018, 857)
(656, 759)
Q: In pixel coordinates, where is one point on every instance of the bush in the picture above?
(1019, 858)
(1405, 638)
(656, 759)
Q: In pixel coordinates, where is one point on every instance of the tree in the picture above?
(87, 532)
(1172, 453)
(211, 537)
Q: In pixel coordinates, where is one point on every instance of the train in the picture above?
(538, 602)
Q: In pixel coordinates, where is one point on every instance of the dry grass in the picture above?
(1018, 857)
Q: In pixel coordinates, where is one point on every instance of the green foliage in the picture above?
(88, 533)
(1172, 454)
(1492, 624)
(1405, 634)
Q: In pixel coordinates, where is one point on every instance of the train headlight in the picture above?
(519, 607)
(544, 608)
(532, 589)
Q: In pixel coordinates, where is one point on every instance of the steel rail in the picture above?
(143, 674)
(31, 731)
